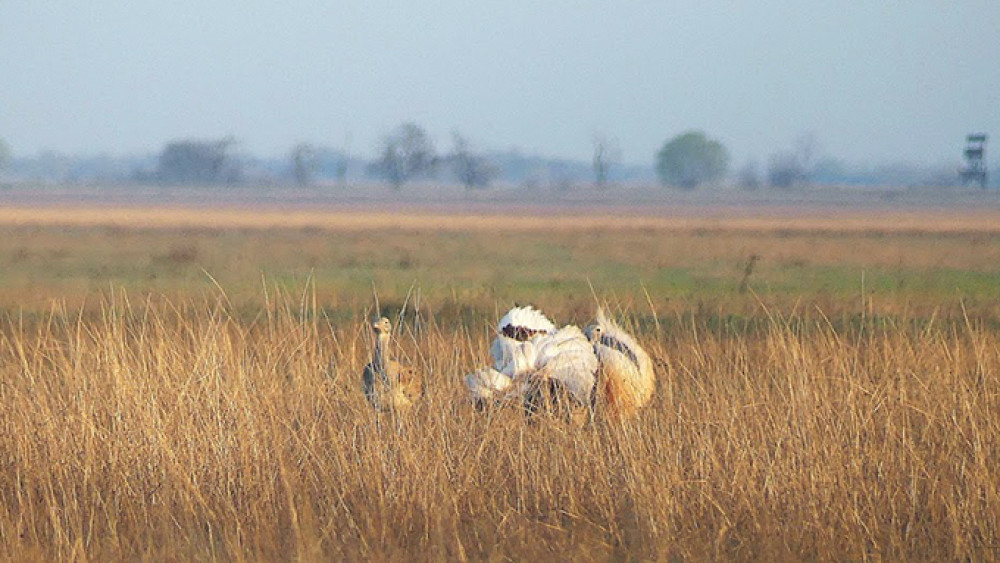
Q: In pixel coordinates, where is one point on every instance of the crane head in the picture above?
(593, 332)
(382, 326)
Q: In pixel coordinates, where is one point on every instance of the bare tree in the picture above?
(4, 155)
(806, 149)
(795, 167)
(474, 171)
(405, 153)
(747, 177)
(341, 171)
(205, 162)
(784, 170)
(606, 154)
(304, 162)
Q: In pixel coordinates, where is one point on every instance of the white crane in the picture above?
(532, 359)
(513, 353)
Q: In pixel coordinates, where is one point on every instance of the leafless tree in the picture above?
(806, 149)
(4, 155)
(747, 177)
(795, 167)
(474, 171)
(304, 163)
(204, 162)
(405, 153)
(606, 154)
(4, 152)
(341, 171)
(784, 170)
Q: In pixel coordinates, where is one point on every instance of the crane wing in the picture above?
(568, 357)
(487, 383)
(512, 357)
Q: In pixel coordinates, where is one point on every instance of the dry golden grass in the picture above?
(704, 218)
(181, 430)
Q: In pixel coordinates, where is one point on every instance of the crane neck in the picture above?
(381, 356)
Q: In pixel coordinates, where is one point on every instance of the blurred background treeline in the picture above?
(411, 154)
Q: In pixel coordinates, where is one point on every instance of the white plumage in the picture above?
(626, 370)
(513, 353)
(513, 357)
(568, 358)
(487, 383)
(529, 353)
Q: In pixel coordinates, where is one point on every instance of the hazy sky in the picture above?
(894, 79)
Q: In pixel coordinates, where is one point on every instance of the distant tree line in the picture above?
(408, 153)
(404, 155)
(692, 159)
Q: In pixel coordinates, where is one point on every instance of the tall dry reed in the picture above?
(181, 430)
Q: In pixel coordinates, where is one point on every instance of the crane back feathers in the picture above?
(626, 369)
(615, 344)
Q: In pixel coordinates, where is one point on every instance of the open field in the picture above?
(918, 261)
(181, 383)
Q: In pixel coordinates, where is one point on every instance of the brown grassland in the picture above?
(183, 384)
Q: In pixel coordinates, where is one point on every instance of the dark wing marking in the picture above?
(615, 344)
(519, 333)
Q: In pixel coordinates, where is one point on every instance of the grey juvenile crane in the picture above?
(387, 383)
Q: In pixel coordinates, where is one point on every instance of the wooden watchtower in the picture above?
(975, 160)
